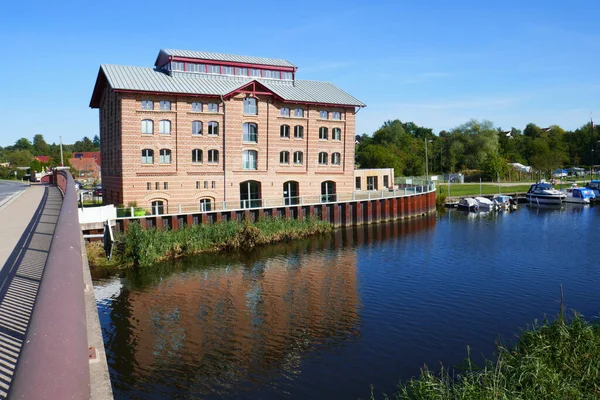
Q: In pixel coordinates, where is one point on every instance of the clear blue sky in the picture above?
(438, 63)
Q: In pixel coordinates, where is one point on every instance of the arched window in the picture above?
(197, 156)
(249, 158)
(324, 114)
(323, 158)
(284, 112)
(336, 134)
(213, 156)
(164, 156)
(158, 207)
(336, 158)
(323, 133)
(250, 132)
(298, 157)
(284, 131)
(298, 132)
(284, 157)
(290, 193)
(250, 194)
(164, 127)
(148, 126)
(196, 127)
(213, 128)
(147, 156)
(327, 191)
(206, 204)
(250, 106)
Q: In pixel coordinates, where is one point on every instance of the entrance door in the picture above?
(327, 191)
(250, 194)
(290, 193)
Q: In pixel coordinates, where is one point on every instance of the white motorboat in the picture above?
(485, 203)
(505, 202)
(579, 195)
(544, 193)
(468, 203)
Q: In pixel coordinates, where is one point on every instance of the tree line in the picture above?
(477, 146)
(23, 152)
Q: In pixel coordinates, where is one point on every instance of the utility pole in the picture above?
(62, 161)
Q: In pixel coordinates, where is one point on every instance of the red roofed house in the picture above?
(87, 163)
(43, 159)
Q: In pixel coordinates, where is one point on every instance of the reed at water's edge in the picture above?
(550, 360)
(141, 247)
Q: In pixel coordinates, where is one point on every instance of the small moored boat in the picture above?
(544, 193)
(485, 203)
(468, 203)
(505, 202)
(579, 195)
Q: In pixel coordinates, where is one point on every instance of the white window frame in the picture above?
(147, 105)
(195, 154)
(195, 125)
(284, 157)
(250, 106)
(336, 158)
(164, 105)
(250, 160)
(299, 112)
(324, 114)
(298, 132)
(323, 158)
(298, 158)
(145, 124)
(213, 128)
(213, 107)
(334, 136)
(147, 158)
(335, 114)
(213, 156)
(323, 133)
(284, 131)
(164, 156)
(164, 127)
(197, 106)
(247, 135)
(284, 112)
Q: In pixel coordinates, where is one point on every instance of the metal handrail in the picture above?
(54, 361)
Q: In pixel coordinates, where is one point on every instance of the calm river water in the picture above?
(328, 317)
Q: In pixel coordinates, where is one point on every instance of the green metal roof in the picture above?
(227, 57)
(142, 79)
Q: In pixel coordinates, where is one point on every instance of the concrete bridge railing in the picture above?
(54, 362)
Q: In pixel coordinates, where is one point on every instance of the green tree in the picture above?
(96, 141)
(40, 147)
(20, 158)
(379, 156)
(84, 144)
(23, 144)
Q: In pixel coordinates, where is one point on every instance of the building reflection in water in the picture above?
(228, 324)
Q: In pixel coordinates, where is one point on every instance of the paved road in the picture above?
(10, 188)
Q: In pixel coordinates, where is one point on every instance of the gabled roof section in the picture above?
(164, 54)
(140, 79)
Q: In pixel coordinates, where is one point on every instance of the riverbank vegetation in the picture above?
(473, 189)
(140, 247)
(550, 360)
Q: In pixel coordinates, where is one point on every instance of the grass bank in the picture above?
(140, 247)
(550, 360)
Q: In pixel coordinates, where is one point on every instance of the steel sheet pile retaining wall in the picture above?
(348, 213)
(54, 362)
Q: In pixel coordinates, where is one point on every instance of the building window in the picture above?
(255, 72)
(197, 184)
(386, 181)
(213, 128)
(214, 69)
(158, 207)
(250, 106)
(164, 156)
(298, 132)
(241, 71)
(249, 159)
(147, 105)
(324, 114)
(298, 157)
(284, 157)
(284, 112)
(250, 132)
(148, 186)
(227, 70)
(336, 134)
(323, 133)
(148, 126)
(165, 105)
(176, 65)
(213, 156)
(286, 75)
(197, 106)
(284, 131)
(213, 107)
(271, 74)
(205, 184)
(156, 185)
(371, 183)
(193, 67)
(164, 127)
(336, 158)
(196, 127)
(213, 184)
(206, 205)
(197, 156)
(323, 158)
(298, 112)
(357, 184)
(336, 115)
(147, 156)
(166, 185)
(327, 191)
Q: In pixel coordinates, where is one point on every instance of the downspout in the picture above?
(305, 161)
(224, 153)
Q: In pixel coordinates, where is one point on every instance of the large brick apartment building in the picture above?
(206, 128)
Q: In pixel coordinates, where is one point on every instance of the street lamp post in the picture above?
(427, 161)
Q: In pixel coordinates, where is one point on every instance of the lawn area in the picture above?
(471, 189)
